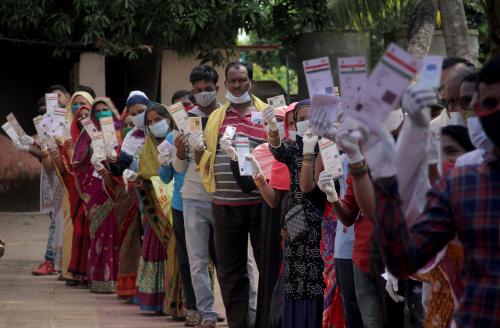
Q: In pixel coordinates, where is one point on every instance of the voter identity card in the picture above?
(330, 157)
(229, 132)
(257, 118)
(195, 124)
(318, 76)
(108, 131)
(97, 143)
(15, 124)
(11, 132)
(277, 101)
(51, 102)
(383, 90)
(58, 124)
(89, 126)
(352, 77)
(178, 113)
(322, 113)
(242, 146)
(37, 122)
(430, 71)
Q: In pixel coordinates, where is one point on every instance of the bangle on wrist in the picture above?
(259, 180)
(309, 157)
(358, 171)
(307, 163)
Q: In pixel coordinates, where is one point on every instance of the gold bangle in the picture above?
(307, 163)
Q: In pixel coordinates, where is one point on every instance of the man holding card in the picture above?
(236, 213)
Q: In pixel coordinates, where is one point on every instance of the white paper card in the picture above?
(382, 92)
(58, 124)
(242, 146)
(37, 122)
(430, 71)
(46, 124)
(108, 132)
(277, 101)
(89, 126)
(98, 143)
(15, 124)
(257, 118)
(229, 132)
(330, 157)
(11, 132)
(352, 77)
(322, 113)
(179, 115)
(318, 76)
(165, 147)
(51, 102)
(195, 124)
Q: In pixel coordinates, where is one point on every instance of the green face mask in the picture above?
(126, 131)
(74, 108)
(103, 114)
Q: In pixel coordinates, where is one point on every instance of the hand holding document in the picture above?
(179, 115)
(242, 146)
(318, 76)
(352, 77)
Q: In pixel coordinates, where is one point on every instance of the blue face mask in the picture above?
(103, 114)
(159, 129)
(74, 108)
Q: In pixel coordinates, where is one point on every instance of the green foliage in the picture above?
(475, 14)
(277, 74)
(131, 27)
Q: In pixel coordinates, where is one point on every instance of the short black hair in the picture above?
(471, 78)
(159, 109)
(460, 134)
(41, 102)
(248, 66)
(86, 89)
(56, 87)
(203, 72)
(179, 94)
(490, 73)
(452, 61)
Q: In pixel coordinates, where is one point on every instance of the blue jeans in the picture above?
(49, 250)
(368, 298)
(198, 226)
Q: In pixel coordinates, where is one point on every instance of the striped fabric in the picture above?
(227, 190)
(464, 202)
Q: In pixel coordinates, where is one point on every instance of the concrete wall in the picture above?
(92, 72)
(175, 75)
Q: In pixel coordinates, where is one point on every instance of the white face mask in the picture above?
(244, 98)
(138, 120)
(205, 98)
(292, 135)
(456, 118)
(302, 127)
(477, 136)
(159, 129)
(281, 129)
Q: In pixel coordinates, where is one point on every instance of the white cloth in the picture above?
(474, 157)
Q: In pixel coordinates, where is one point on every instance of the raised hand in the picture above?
(416, 101)
(310, 141)
(227, 147)
(270, 119)
(256, 171)
(327, 186)
(196, 140)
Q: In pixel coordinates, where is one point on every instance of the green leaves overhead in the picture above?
(130, 27)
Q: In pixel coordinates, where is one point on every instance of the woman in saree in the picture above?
(76, 232)
(151, 276)
(127, 215)
(103, 255)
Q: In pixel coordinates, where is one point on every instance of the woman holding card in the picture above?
(303, 278)
(102, 265)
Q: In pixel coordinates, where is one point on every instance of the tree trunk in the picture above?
(455, 31)
(493, 13)
(422, 24)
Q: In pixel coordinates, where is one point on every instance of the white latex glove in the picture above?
(51, 143)
(196, 140)
(26, 140)
(327, 186)
(416, 101)
(270, 119)
(347, 142)
(165, 157)
(20, 146)
(391, 286)
(41, 141)
(129, 175)
(379, 149)
(255, 165)
(110, 152)
(310, 141)
(227, 148)
(96, 161)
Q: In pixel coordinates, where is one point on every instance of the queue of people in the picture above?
(406, 237)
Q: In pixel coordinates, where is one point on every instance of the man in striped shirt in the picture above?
(237, 214)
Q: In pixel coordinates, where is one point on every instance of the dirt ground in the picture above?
(43, 302)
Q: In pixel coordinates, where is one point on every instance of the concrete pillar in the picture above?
(92, 72)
